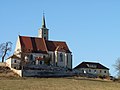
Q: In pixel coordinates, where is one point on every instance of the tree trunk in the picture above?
(3, 57)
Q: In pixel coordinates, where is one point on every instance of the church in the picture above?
(40, 51)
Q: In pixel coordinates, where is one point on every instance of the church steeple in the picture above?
(43, 22)
(43, 31)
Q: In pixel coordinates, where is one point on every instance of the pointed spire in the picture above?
(43, 22)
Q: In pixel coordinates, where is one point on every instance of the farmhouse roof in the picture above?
(14, 56)
(40, 45)
(91, 65)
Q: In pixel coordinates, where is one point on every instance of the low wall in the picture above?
(38, 73)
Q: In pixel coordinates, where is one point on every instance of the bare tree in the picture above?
(5, 48)
(117, 66)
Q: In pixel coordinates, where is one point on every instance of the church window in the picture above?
(40, 62)
(15, 61)
(31, 57)
(89, 70)
(61, 57)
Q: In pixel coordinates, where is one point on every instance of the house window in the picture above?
(94, 71)
(61, 57)
(15, 61)
(104, 71)
(44, 57)
(100, 71)
(89, 70)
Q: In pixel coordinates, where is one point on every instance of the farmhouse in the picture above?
(92, 68)
(37, 52)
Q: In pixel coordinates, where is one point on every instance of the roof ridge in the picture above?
(57, 41)
(30, 36)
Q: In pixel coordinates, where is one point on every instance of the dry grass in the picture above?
(57, 84)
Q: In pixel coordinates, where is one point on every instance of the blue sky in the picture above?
(91, 28)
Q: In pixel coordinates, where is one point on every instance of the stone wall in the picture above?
(39, 73)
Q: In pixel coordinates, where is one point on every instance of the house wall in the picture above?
(13, 63)
(98, 72)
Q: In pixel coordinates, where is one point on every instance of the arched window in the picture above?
(40, 62)
(31, 57)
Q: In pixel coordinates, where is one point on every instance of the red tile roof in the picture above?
(40, 45)
(57, 46)
(91, 65)
(32, 44)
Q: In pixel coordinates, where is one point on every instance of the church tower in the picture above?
(43, 31)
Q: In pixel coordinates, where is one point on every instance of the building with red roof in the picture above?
(93, 68)
(40, 50)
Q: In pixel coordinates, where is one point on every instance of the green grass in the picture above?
(57, 84)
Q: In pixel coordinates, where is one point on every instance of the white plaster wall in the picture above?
(13, 61)
(93, 71)
(59, 62)
(41, 32)
(56, 57)
(65, 57)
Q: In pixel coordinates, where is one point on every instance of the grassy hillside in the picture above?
(5, 72)
(58, 84)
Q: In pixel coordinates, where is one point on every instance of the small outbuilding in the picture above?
(93, 68)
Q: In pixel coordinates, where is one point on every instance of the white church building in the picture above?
(40, 51)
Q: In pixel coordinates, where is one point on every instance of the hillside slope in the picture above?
(5, 72)
(58, 84)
